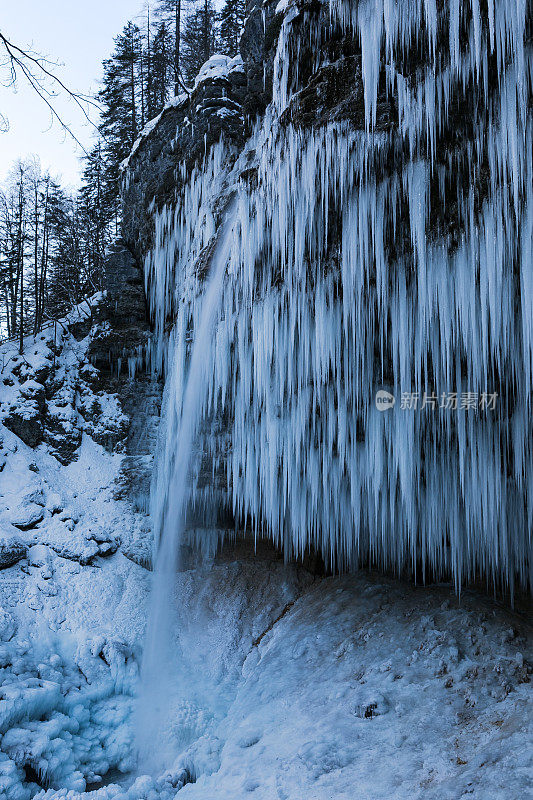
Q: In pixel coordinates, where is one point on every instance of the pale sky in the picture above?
(79, 34)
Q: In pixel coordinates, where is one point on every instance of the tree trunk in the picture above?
(36, 255)
(133, 114)
(177, 48)
(44, 260)
(20, 269)
(206, 31)
(142, 84)
(148, 68)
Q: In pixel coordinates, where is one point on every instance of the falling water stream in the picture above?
(164, 674)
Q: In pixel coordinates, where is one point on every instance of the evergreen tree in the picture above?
(120, 97)
(161, 66)
(171, 12)
(52, 246)
(95, 213)
(231, 20)
(199, 38)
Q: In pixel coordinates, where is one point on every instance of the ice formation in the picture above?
(160, 680)
(55, 727)
(347, 277)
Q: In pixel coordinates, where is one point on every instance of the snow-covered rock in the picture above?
(12, 548)
(39, 556)
(25, 420)
(218, 67)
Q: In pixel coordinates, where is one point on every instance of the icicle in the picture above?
(305, 338)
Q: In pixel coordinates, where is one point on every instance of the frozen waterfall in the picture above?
(391, 258)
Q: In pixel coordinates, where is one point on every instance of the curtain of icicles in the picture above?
(397, 259)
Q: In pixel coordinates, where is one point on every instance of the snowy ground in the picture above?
(350, 688)
(71, 603)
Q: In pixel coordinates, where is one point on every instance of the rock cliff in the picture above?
(379, 156)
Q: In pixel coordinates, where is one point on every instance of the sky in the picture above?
(79, 35)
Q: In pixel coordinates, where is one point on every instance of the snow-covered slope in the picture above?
(71, 603)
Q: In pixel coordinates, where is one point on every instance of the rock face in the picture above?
(391, 165)
(46, 399)
(26, 423)
(119, 364)
(183, 132)
(258, 47)
(227, 97)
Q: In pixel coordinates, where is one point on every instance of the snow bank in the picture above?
(71, 612)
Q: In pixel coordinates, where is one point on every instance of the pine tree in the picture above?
(199, 37)
(69, 278)
(120, 97)
(161, 66)
(171, 12)
(95, 213)
(231, 20)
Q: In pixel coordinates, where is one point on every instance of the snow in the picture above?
(354, 667)
(284, 685)
(71, 612)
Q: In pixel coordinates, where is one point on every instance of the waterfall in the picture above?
(385, 258)
(161, 675)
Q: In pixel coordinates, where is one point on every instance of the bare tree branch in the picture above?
(37, 70)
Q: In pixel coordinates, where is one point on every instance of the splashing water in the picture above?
(165, 681)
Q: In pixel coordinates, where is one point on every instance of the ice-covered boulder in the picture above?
(39, 555)
(77, 541)
(7, 626)
(27, 508)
